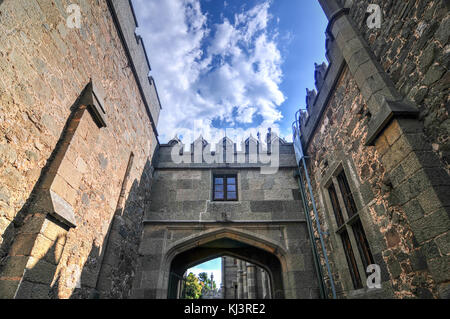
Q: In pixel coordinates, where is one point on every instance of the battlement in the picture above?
(126, 22)
(251, 153)
(326, 77)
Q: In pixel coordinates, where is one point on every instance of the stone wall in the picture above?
(363, 122)
(184, 225)
(54, 152)
(413, 47)
(256, 281)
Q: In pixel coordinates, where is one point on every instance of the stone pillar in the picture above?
(240, 281)
(243, 291)
(244, 285)
(251, 281)
(264, 287)
(267, 288)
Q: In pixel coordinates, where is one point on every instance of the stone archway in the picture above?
(168, 249)
(225, 246)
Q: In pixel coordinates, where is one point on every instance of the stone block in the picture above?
(251, 195)
(194, 206)
(413, 210)
(192, 194)
(39, 271)
(392, 132)
(278, 194)
(439, 269)
(353, 46)
(63, 189)
(434, 198)
(185, 184)
(151, 246)
(266, 206)
(70, 174)
(23, 244)
(297, 263)
(293, 206)
(382, 145)
(358, 58)
(431, 226)
(8, 288)
(443, 243)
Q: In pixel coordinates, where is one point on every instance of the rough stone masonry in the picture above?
(93, 206)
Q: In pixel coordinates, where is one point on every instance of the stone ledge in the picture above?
(54, 205)
(389, 110)
(93, 99)
(228, 222)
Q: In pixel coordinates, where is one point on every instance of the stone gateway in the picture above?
(92, 205)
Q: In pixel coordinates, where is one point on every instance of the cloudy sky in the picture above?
(239, 66)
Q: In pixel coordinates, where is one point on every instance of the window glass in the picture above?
(231, 195)
(363, 244)
(344, 187)
(218, 195)
(352, 265)
(336, 207)
(225, 188)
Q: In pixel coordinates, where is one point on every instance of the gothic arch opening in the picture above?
(220, 247)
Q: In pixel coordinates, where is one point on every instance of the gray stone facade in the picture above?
(185, 226)
(237, 273)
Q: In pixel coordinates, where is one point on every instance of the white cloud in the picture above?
(205, 71)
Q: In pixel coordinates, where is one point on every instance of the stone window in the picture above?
(351, 260)
(225, 188)
(350, 228)
(335, 203)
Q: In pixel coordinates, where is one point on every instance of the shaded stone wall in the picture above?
(257, 280)
(229, 278)
(51, 140)
(364, 123)
(413, 47)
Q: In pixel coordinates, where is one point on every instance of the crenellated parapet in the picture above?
(326, 77)
(270, 151)
(124, 17)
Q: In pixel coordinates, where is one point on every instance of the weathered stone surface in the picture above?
(45, 68)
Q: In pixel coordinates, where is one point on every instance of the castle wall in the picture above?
(64, 173)
(183, 215)
(412, 46)
(257, 279)
(370, 122)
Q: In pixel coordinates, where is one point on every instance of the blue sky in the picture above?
(237, 65)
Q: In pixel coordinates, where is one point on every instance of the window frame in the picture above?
(225, 184)
(352, 226)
